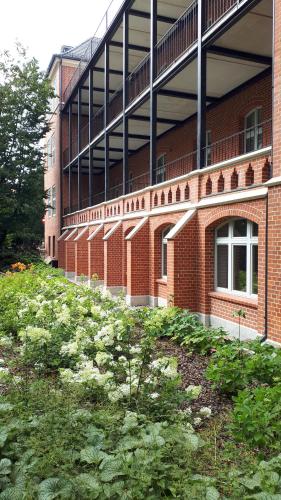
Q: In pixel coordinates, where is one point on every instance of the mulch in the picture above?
(192, 367)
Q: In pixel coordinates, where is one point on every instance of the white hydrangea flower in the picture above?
(40, 336)
(70, 348)
(154, 395)
(102, 358)
(205, 411)
(193, 391)
(63, 316)
(135, 349)
(197, 421)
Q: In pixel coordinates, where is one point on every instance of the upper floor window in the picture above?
(253, 131)
(164, 252)
(54, 100)
(161, 169)
(236, 259)
(51, 151)
(52, 201)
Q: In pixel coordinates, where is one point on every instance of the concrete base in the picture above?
(81, 280)
(95, 284)
(116, 290)
(230, 327)
(70, 275)
(137, 300)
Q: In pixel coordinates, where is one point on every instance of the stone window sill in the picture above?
(161, 281)
(235, 299)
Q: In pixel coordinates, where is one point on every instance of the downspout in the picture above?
(60, 139)
(265, 333)
(264, 337)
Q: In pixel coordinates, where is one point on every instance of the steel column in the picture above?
(69, 156)
(125, 101)
(201, 89)
(79, 188)
(91, 175)
(106, 108)
(153, 95)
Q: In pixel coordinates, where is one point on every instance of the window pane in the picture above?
(164, 262)
(250, 120)
(240, 228)
(222, 266)
(223, 231)
(255, 230)
(239, 268)
(255, 269)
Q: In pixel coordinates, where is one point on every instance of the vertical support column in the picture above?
(201, 88)
(79, 146)
(125, 100)
(69, 157)
(153, 95)
(106, 105)
(91, 175)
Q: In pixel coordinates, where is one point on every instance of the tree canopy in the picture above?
(25, 94)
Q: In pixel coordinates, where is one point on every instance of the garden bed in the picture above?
(100, 401)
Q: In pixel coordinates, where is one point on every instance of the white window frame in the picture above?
(49, 202)
(164, 244)
(256, 126)
(160, 168)
(231, 241)
(54, 201)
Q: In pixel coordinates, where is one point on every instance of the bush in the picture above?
(228, 368)
(256, 417)
(184, 328)
(237, 365)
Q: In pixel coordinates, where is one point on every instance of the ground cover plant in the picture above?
(94, 404)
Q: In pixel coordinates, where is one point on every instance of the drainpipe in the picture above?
(60, 139)
(265, 333)
(264, 337)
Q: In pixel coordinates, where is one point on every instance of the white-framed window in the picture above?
(161, 169)
(236, 257)
(253, 131)
(164, 252)
(51, 151)
(49, 202)
(54, 200)
(54, 100)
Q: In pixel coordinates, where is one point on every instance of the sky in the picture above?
(44, 26)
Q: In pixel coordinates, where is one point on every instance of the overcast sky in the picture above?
(44, 26)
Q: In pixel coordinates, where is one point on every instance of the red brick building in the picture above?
(164, 159)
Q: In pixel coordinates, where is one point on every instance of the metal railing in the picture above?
(178, 39)
(181, 36)
(250, 139)
(93, 45)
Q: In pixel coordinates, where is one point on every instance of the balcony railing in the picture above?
(92, 47)
(233, 146)
(251, 139)
(179, 38)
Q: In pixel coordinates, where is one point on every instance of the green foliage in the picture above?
(257, 417)
(237, 365)
(24, 96)
(89, 411)
(227, 369)
(184, 328)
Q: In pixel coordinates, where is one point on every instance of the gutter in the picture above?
(265, 333)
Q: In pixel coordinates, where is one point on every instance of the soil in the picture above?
(192, 367)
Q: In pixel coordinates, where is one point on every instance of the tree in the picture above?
(25, 94)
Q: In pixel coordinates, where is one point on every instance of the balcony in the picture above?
(245, 154)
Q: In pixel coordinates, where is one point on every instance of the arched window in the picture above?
(236, 257)
(164, 252)
(253, 131)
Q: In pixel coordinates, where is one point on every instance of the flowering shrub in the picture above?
(111, 405)
(184, 328)
(18, 266)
